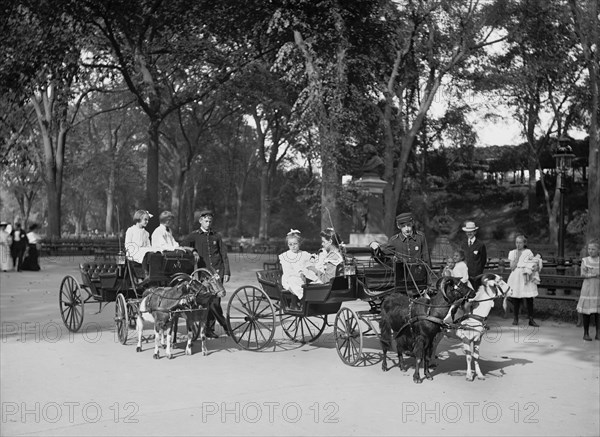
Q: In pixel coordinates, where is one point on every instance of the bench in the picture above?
(552, 286)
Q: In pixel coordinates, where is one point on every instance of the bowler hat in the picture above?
(469, 227)
(206, 212)
(405, 217)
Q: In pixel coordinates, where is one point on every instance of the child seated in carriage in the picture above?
(447, 270)
(293, 262)
(329, 261)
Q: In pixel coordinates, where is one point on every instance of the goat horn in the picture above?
(202, 270)
(180, 277)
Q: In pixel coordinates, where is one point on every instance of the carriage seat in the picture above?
(98, 276)
(270, 282)
(159, 267)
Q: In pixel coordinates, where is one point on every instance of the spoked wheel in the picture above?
(122, 321)
(348, 336)
(251, 318)
(302, 329)
(71, 303)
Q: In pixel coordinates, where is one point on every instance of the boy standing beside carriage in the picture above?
(210, 252)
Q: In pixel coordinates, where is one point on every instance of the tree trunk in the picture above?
(53, 153)
(110, 199)
(265, 203)
(176, 203)
(531, 191)
(152, 171)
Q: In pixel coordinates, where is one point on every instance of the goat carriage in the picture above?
(253, 312)
(124, 283)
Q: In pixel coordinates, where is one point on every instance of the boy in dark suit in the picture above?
(210, 252)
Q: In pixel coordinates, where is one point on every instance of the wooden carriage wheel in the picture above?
(122, 322)
(251, 318)
(71, 303)
(301, 328)
(348, 336)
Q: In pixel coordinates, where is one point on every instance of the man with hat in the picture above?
(407, 244)
(475, 253)
(210, 252)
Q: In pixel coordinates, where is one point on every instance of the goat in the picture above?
(415, 325)
(472, 325)
(212, 280)
(162, 306)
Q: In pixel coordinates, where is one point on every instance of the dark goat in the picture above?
(415, 322)
(162, 305)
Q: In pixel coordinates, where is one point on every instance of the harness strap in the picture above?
(417, 318)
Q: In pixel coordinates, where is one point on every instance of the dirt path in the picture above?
(539, 382)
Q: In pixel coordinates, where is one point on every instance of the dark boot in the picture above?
(529, 301)
(516, 307)
(597, 317)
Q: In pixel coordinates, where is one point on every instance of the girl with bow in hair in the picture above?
(293, 261)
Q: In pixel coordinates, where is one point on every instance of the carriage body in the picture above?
(121, 281)
(252, 311)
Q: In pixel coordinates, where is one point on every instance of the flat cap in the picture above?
(405, 217)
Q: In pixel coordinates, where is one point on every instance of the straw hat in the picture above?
(469, 227)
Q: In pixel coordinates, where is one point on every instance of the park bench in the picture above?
(101, 249)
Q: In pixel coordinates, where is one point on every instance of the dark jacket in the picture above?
(475, 256)
(212, 250)
(408, 248)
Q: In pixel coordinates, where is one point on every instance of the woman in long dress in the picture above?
(293, 261)
(589, 299)
(520, 278)
(137, 239)
(32, 258)
(5, 242)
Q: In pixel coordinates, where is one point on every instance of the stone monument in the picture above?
(368, 215)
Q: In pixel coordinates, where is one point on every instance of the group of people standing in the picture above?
(470, 258)
(206, 245)
(19, 250)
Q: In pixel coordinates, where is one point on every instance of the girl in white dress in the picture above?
(589, 299)
(292, 262)
(137, 239)
(523, 288)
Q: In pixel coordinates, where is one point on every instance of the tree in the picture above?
(40, 65)
(585, 17)
(427, 42)
(164, 56)
(327, 36)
